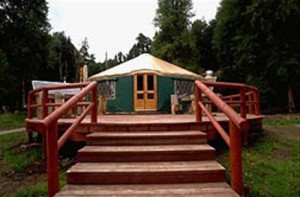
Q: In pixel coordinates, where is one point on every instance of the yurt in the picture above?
(144, 83)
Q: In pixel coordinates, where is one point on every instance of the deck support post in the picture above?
(244, 112)
(243, 102)
(236, 158)
(198, 99)
(52, 160)
(257, 103)
(94, 108)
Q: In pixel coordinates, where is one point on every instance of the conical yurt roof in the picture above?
(146, 63)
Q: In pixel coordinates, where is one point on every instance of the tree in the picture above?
(172, 40)
(258, 43)
(62, 60)
(203, 55)
(24, 39)
(84, 49)
(7, 79)
(120, 57)
(143, 45)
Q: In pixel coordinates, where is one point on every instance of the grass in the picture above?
(22, 171)
(271, 164)
(11, 120)
(40, 189)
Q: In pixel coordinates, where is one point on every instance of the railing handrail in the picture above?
(59, 112)
(49, 124)
(232, 96)
(237, 125)
(244, 89)
(239, 122)
(229, 85)
(59, 86)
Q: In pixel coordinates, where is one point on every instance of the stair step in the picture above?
(146, 153)
(146, 138)
(219, 189)
(146, 172)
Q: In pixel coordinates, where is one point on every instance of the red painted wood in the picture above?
(44, 102)
(217, 126)
(243, 102)
(62, 140)
(48, 125)
(257, 105)
(236, 159)
(52, 159)
(230, 113)
(69, 104)
(146, 138)
(195, 189)
(198, 99)
(187, 152)
(95, 104)
(146, 172)
(251, 103)
(237, 126)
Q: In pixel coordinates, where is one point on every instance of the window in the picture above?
(183, 88)
(108, 89)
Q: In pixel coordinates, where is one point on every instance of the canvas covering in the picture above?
(146, 63)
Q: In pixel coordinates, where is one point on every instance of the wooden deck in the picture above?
(157, 122)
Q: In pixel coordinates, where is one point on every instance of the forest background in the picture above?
(255, 42)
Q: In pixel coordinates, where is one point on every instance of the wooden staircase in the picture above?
(157, 163)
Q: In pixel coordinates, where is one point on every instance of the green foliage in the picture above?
(257, 43)
(40, 189)
(282, 122)
(172, 41)
(28, 52)
(201, 42)
(23, 39)
(143, 45)
(270, 168)
(18, 159)
(62, 60)
(11, 121)
(10, 140)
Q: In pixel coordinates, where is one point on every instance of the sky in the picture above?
(112, 25)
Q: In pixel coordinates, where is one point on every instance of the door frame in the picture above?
(145, 91)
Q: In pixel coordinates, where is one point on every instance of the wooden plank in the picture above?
(146, 172)
(219, 189)
(145, 153)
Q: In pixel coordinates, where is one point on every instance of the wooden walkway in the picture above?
(157, 122)
(118, 162)
(154, 118)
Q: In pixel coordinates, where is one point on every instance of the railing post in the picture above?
(44, 115)
(29, 116)
(29, 109)
(94, 109)
(236, 158)
(44, 103)
(251, 104)
(198, 98)
(257, 103)
(243, 102)
(52, 159)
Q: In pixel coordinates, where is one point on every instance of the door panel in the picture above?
(145, 92)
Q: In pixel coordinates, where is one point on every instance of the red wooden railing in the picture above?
(247, 98)
(47, 126)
